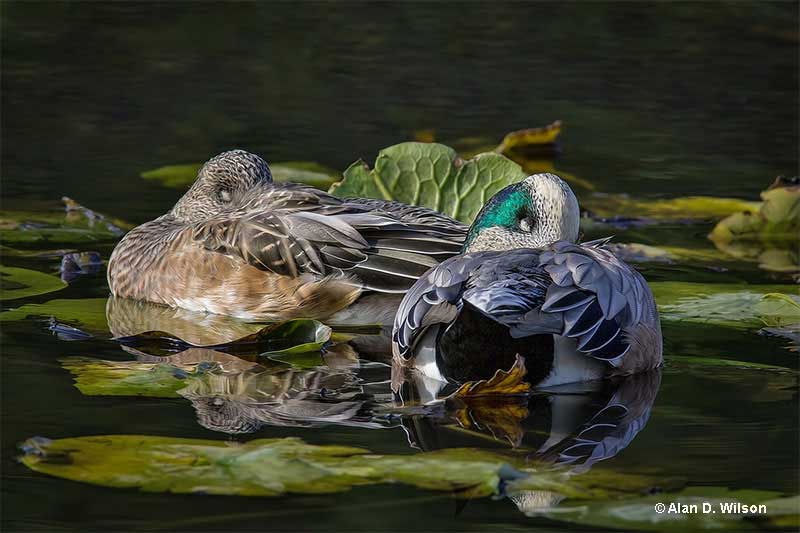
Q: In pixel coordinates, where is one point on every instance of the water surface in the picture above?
(657, 101)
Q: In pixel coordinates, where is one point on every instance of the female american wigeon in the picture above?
(575, 312)
(238, 244)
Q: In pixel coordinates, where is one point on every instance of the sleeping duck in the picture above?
(238, 244)
(522, 285)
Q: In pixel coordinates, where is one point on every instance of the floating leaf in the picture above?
(78, 225)
(776, 219)
(308, 172)
(89, 313)
(271, 467)
(94, 377)
(640, 514)
(262, 467)
(768, 234)
(721, 304)
(682, 208)
(782, 513)
(635, 252)
(431, 175)
(502, 383)
(777, 309)
(530, 139)
(20, 283)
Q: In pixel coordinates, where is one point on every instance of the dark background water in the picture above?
(657, 100)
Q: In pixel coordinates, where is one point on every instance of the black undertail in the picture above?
(474, 347)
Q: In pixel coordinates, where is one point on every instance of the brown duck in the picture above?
(238, 244)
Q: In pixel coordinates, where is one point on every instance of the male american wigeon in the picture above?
(575, 312)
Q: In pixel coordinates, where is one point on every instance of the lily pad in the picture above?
(271, 467)
(640, 513)
(20, 283)
(723, 304)
(776, 219)
(88, 313)
(635, 252)
(690, 208)
(94, 377)
(531, 139)
(431, 175)
(78, 225)
(308, 172)
(263, 467)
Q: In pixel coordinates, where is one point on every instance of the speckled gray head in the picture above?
(537, 211)
(219, 180)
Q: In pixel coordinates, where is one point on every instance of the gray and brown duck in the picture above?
(575, 312)
(238, 244)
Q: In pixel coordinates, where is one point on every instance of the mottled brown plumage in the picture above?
(237, 244)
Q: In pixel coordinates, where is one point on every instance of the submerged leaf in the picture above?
(308, 172)
(431, 175)
(20, 282)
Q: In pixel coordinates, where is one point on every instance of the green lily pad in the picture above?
(724, 304)
(776, 219)
(308, 172)
(640, 513)
(20, 282)
(635, 252)
(295, 337)
(94, 377)
(271, 467)
(431, 175)
(87, 313)
(75, 226)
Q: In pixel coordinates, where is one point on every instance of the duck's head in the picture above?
(537, 211)
(220, 182)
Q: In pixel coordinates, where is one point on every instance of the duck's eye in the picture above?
(524, 225)
(225, 196)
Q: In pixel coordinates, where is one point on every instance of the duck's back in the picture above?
(285, 251)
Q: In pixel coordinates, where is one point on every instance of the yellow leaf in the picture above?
(522, 139)
(503, 383)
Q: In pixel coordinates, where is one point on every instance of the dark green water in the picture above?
(657, 101)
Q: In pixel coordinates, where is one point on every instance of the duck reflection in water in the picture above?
(239, 394)
(569, 430)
